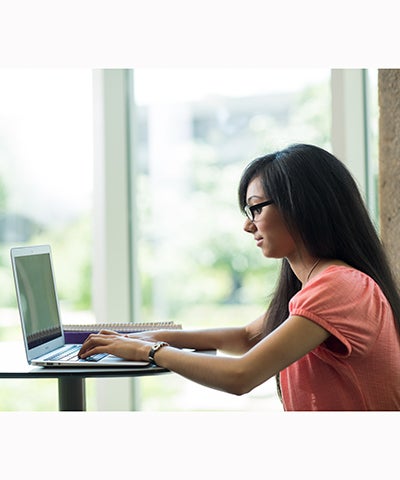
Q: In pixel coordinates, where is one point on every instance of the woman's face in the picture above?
(268, 227)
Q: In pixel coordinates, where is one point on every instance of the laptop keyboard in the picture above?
(71, 354)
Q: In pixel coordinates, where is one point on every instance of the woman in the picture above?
(330, 334)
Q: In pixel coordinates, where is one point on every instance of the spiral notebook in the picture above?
(77, 333)
(42, 330)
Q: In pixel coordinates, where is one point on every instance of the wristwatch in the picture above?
(155, 349)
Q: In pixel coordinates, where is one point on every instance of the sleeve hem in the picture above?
(329, 328)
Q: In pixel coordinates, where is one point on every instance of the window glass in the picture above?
(197, 130)
(373, 143)
(46, 168)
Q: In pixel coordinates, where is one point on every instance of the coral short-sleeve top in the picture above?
(358, 366)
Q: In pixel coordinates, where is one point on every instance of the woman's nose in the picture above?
(249, 226)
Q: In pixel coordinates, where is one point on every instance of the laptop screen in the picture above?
(38, 300)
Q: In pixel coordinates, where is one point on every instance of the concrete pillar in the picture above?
(389, 163)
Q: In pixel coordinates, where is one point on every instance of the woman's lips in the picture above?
(259, 241)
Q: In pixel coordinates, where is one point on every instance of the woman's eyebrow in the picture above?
(253, 196)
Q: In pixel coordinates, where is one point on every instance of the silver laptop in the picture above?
(40, 315)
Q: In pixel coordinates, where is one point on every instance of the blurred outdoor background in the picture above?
(194, 132)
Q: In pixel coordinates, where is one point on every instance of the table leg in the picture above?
(71, 394)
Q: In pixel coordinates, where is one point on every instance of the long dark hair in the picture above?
(319, 201)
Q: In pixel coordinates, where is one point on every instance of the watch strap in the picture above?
(155, 349)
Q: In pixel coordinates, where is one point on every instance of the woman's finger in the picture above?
(108, 332)
(93, 341)
(93, 351)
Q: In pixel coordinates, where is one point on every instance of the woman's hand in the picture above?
(115, 344)
(147, 335)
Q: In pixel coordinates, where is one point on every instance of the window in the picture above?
(46, 170)
(193, 132)
(372, 134)
(196, 131)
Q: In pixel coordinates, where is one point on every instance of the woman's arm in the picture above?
(233, 340)
(237, 375)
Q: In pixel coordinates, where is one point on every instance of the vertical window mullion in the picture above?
(112, 249)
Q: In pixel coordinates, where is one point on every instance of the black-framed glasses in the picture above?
(254, 210)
